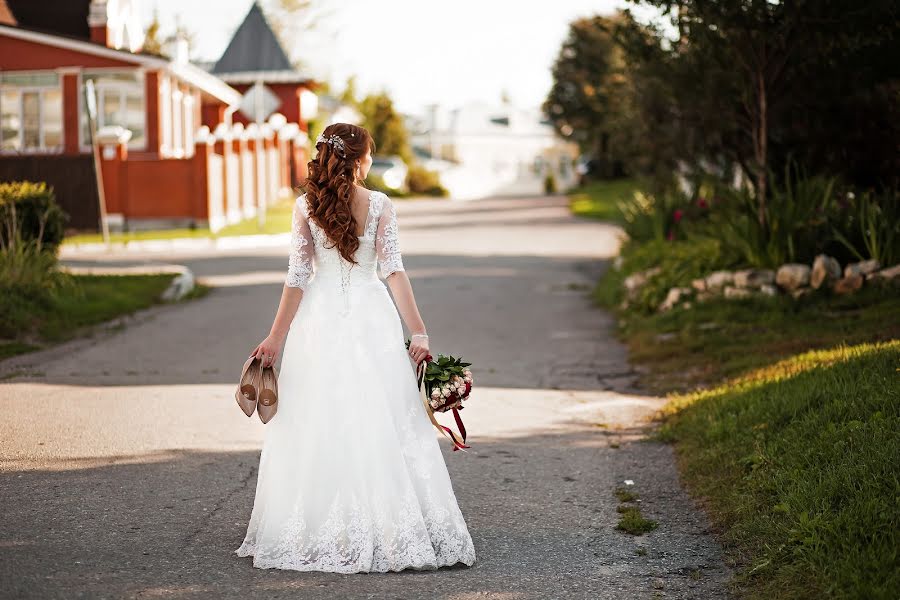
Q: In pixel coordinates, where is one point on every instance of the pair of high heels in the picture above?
(258, 390)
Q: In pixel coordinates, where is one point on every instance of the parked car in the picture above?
(391, 170)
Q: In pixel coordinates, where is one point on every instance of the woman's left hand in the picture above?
(418, 348)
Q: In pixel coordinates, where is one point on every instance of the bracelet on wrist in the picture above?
(424, 335)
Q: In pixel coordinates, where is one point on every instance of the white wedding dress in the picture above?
(351, 478)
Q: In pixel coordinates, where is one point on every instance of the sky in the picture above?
(420, 51)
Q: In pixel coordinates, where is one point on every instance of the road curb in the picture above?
(236, 242)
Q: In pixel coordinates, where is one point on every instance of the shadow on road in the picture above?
(541, 510)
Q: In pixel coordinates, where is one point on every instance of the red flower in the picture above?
(701, 202)
(676, 216)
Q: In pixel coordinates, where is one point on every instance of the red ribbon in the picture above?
(420, 381)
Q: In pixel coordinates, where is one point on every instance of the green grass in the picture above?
(633, 522)
(624, 495)
(278, 220)
(686, 348)
(599, 199)
(92, 299)
(797, 464)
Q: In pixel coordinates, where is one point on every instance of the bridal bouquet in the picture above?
(444, 384)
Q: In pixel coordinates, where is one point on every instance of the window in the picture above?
(30, 111)
(120, 101)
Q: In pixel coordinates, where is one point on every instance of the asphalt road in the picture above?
(127, 471)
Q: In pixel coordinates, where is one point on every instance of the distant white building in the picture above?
(486, 150)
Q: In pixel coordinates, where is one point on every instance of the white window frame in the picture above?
(123, 89)
(165, 115)
(40, 89)
(177, 122)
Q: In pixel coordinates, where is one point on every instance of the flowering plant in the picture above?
(444, 384)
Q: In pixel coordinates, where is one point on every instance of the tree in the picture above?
(386, 126)
(775, 76)
(590, 101)
(152, 43)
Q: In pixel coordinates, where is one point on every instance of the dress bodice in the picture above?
(314, 254)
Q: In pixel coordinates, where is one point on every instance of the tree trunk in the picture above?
(761, 148)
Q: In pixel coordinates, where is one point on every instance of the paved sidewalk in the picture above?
(126, 471)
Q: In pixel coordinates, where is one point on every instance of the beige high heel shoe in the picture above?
(248, 389)
(268, 395)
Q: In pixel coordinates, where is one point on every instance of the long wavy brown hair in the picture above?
(329, 186)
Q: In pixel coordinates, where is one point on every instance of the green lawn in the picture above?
(92, 299)
(599, 199)
(797, 465)
(278, 220)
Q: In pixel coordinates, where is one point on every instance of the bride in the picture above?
(351, 478)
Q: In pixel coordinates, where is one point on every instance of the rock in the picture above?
(801, 292)
(861, 268)
(887, 274)
(704, 296)
(719, 279)
(732, 292)
(753, 278)
(848, 285)
(825, 269)
(675, 295)
(767, 289)
(699, 284)
(792, 276)
(634, 282)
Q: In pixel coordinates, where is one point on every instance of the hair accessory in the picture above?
(335, 141)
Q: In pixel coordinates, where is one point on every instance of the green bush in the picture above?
(29, 281)
(32, 210)
(796, 223)
(422, 181)
(680, 261)
(550, 184)
(652, 216)
(869, 227)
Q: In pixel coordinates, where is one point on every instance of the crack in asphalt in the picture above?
(204, 521)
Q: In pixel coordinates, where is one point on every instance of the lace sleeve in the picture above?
(301, 253)
(387, 243)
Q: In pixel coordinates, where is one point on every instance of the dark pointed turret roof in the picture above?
(254, 48)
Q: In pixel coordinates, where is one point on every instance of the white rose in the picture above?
(435, 393)
(445, 392)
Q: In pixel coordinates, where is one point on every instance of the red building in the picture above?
(171, 155)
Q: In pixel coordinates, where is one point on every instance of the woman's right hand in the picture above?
(267, 351)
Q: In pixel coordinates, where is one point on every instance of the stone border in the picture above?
(795, 279)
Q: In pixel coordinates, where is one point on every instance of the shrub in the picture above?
(796, 223)
(29, 277)
(32, 210)
(870, 226)
(680, 262)
(549, 184)
(653, 216)
(423, 181)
